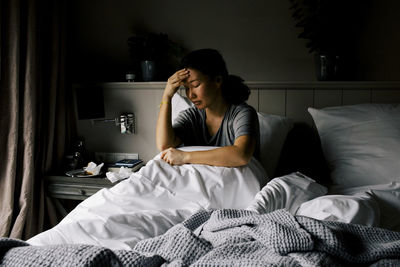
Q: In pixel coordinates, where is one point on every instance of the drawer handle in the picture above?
(82, 192)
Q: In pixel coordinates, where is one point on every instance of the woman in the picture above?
(220, 117)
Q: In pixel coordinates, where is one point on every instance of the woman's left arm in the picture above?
(238, 154)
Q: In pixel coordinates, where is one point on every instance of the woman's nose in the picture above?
(190, 94)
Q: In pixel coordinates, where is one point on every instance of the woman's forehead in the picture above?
(194, 75)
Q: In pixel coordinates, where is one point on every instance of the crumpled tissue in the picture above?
(123, 173)
(92, 168)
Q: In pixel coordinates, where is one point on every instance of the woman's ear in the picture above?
(218, 80)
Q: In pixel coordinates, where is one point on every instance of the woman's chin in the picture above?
(199, 105)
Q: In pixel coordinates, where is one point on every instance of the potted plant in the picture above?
(154, 55)
(329, 27)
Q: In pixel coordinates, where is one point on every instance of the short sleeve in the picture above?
(246, 122)
(187, 127)
(181, 122)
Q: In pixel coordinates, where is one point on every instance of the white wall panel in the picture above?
(297, 103)
(272, 102)
(385, 96)
(106, 137)
(327, 98)
(253, 99)
(352, 97)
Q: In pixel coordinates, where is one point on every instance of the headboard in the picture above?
(292, 99)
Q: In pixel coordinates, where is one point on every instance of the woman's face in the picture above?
(201, 89)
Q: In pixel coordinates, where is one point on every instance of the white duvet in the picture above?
(160, 196)
(152, 200)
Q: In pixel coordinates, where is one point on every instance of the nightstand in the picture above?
(65, 187)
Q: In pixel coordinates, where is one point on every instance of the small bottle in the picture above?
(75, 156)
(79, 155)
(77, 161)
(69, 162)
(130, 76)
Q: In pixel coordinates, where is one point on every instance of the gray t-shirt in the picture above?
(190, 126)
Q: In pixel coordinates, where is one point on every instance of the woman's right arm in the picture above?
(165, 136)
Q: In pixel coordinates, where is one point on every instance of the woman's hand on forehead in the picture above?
(175, 81)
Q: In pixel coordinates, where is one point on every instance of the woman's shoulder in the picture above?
(243, 108)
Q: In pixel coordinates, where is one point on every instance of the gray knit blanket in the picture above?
(228, 238)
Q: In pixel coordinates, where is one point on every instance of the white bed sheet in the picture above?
(151, 201)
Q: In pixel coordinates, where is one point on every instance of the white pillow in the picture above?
(388, 198)
(179, 103)
(361, 143)
(358, 209)
(273, 132)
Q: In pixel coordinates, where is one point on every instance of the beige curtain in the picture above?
(36, 119)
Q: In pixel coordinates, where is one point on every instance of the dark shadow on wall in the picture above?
(302, 152)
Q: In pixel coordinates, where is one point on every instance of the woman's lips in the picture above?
(197, 103)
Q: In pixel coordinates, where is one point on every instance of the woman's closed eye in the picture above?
(195, 84)
(192, 86)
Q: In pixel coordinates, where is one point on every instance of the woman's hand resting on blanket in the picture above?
(174, 156)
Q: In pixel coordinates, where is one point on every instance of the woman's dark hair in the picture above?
(211, 63)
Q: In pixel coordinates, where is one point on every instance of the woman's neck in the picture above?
(217, 110)
(214, 116)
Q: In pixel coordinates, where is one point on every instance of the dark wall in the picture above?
(257, 38)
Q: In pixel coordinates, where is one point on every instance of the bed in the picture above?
(269, 212)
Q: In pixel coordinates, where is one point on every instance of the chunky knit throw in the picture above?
(228, 238)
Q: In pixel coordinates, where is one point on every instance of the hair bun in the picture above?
(234, 90)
